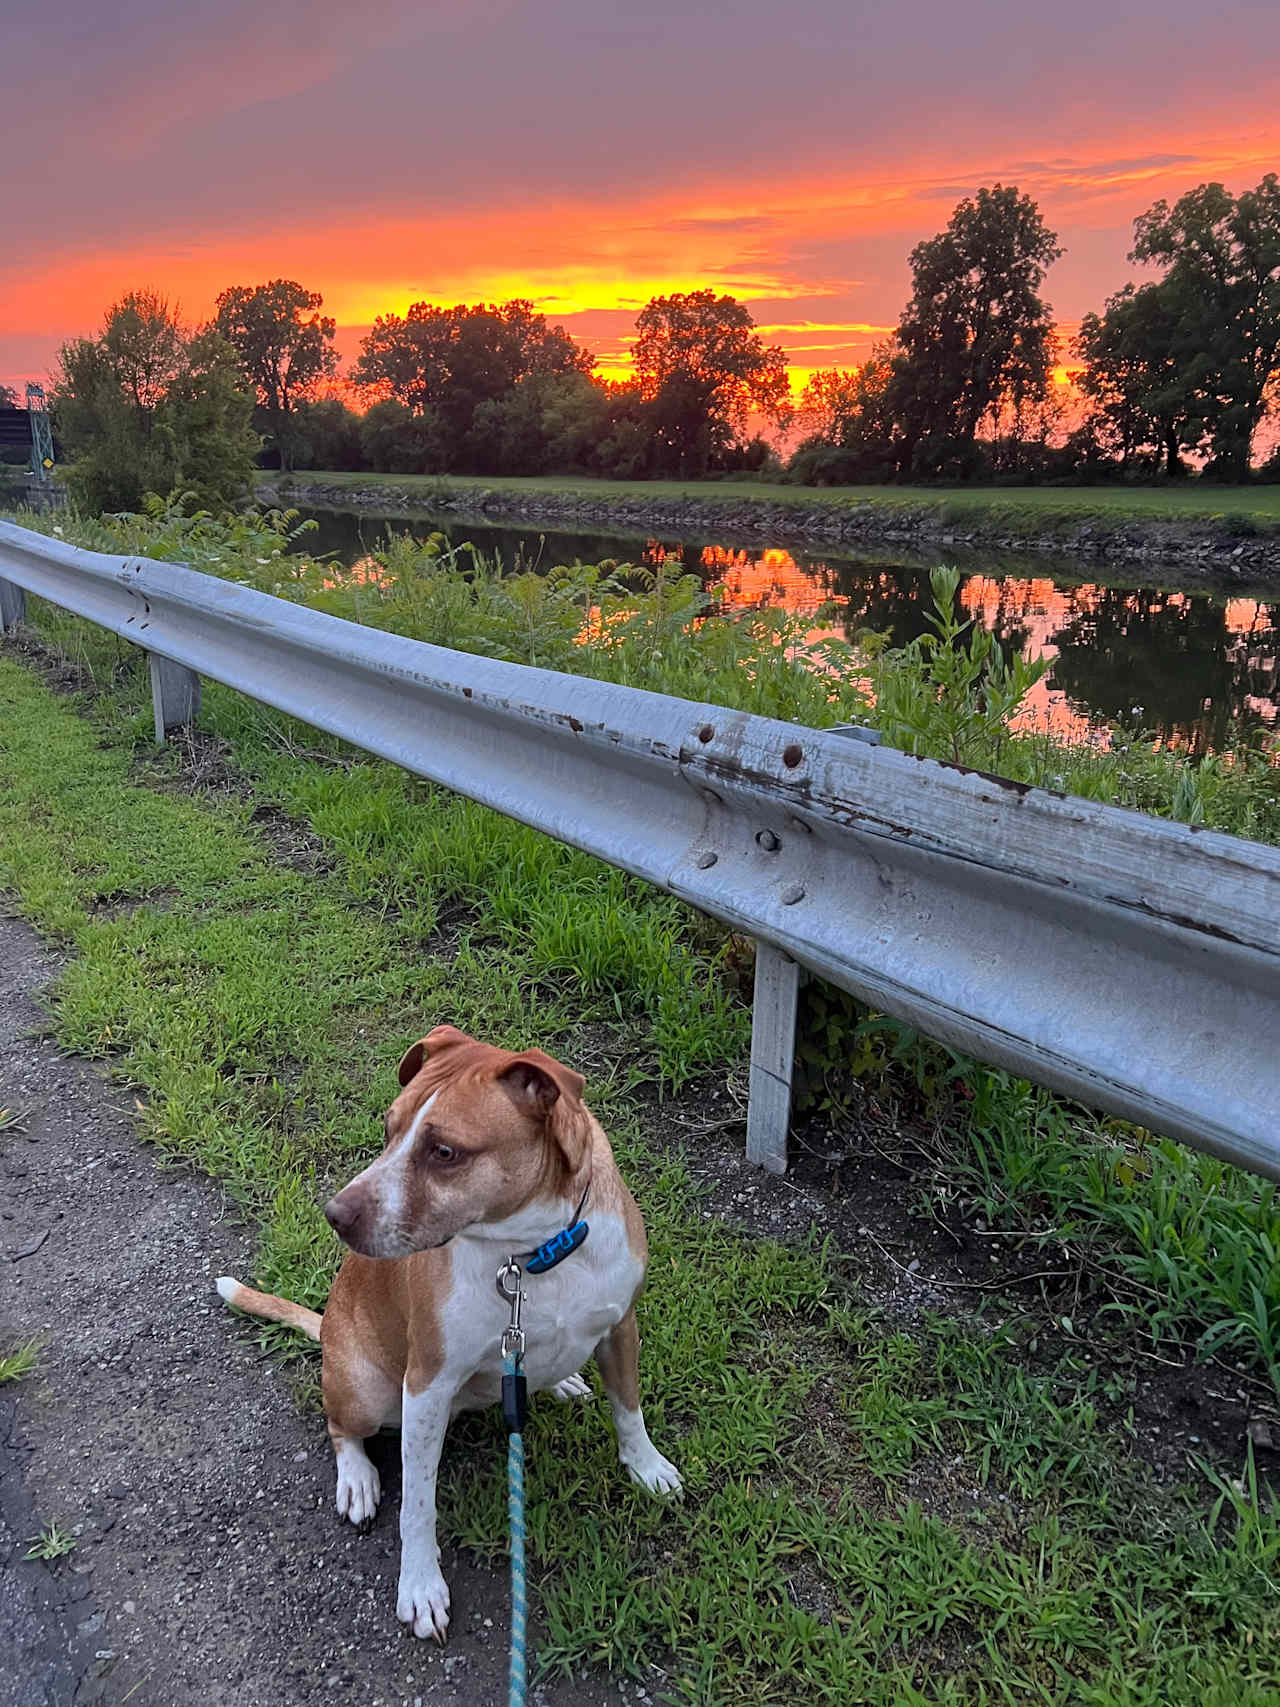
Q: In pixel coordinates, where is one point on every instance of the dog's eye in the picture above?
(445, 1153)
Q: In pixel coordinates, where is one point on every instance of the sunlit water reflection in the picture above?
(1197, 668)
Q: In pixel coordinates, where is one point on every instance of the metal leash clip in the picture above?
(509, 1278)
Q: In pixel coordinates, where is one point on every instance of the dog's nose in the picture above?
(342, 1213)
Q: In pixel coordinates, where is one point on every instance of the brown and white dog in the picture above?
(488, 1154)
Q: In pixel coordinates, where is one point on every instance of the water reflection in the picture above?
(1197, 668)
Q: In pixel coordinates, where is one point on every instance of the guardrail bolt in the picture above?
(792, 755)
(706, 861)
(706, 733)
(768, 840)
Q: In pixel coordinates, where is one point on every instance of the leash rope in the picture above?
(515, 1402)
(517, 1675)
(514, 1409)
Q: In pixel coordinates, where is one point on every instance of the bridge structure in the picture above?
(30, 431)
(41, 432)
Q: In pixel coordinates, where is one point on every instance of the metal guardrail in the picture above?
(1119, 959)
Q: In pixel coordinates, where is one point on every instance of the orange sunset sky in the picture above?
(591, 155)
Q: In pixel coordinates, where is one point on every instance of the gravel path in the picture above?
(209, 1566)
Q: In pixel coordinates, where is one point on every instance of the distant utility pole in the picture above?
(41, 434)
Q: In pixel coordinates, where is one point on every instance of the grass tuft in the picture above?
(23, 1360)
(51, 1543)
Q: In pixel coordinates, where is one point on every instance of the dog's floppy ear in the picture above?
(546, 1090)
(442, 1037)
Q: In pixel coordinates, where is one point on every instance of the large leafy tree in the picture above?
(285, 347)
(976, 334)
(829, 400)
(143, 342)
(1221, 255)
(853, 433)
(703, 369)
(548, 423)
(451, 361)
(396, 441)
(147, 406)
(1138, 377)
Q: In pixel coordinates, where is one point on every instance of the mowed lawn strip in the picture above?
(874, 1515)
(1038, 506)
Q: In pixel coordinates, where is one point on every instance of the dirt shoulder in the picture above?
(209, 1568)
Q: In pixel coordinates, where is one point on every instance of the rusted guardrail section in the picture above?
(1117, 958)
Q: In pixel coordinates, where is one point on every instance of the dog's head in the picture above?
(475, 1134)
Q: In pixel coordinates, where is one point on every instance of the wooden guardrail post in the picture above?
(773, 1048)
(13, 606)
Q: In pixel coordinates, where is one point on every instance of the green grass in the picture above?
(1037, 505)
(20, 1362)
(1186, 1246)
(51, 1543)
(873, 1514)
(1189, 1244)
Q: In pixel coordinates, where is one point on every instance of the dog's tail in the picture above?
(268, 1305)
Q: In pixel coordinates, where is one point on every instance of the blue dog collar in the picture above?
(563, 1244)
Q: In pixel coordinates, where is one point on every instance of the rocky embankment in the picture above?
(1222, 549)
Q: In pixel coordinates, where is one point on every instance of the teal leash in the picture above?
(515, 1405)
(517, 1677)
(514, 1409)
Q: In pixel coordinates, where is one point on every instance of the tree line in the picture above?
(1177, 372)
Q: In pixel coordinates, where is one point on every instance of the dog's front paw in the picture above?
(359, 1489)
(654, 1472)
(423, 1602)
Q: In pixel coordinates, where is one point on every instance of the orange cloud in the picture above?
(594, 261)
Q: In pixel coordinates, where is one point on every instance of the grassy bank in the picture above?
(890, 1511)
(1038, 507)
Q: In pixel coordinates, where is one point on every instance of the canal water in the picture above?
(1198, 668)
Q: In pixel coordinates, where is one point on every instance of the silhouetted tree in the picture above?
(453, 360)
(547, 423)
(1222, 281)
(144, 344)
(831, 396)
(149, 407)
(861, 437)
(976, 332)
(1137, 376)
(284, 346)
(702, 368)
(326, 434)
(394, 440)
